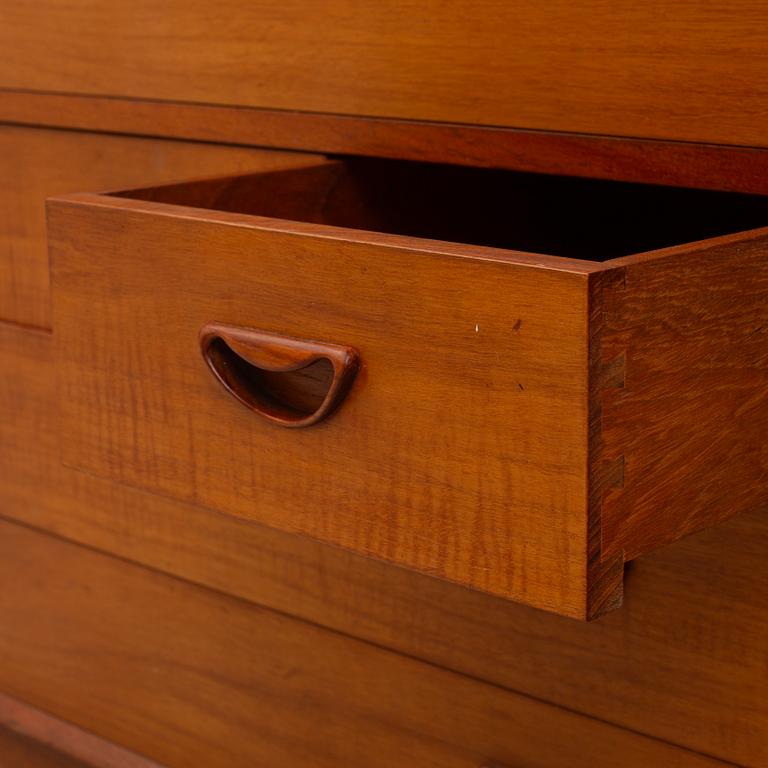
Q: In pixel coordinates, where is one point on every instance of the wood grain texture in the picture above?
(20, 752)
(470, 399)
(682, 660)
(189, 676)
(37, 163)
(705, 166)
(688, 420)
(27, 731)
(684, 70)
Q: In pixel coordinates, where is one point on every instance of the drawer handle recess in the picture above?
(291, 382)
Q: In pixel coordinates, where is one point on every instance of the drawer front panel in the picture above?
(37, 163)
(659, 70)
(187, 676)
(459, 450)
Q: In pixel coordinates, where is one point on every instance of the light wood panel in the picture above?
(683, 70)
(684, 659)
(189, 676)
(35, 164)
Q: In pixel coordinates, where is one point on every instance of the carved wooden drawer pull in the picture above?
(291, 382)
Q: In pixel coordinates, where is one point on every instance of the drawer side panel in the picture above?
(691, 416)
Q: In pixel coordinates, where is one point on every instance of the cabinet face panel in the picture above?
(684, 70)
(36, 163)
(136, 656)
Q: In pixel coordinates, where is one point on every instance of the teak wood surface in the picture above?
(493, 428)
(188, 676)
(683, 659)
(686, 70)
(38, 163)
(20, 752)
(674, 419)
(651, 161)
(691, 327)
(467, 405)
(30, 738)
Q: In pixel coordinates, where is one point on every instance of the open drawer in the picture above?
(288, 347)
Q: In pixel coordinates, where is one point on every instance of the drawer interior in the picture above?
(579, 218)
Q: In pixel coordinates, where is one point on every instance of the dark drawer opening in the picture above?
(566, 216)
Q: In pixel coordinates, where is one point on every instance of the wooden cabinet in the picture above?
(364, 419)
